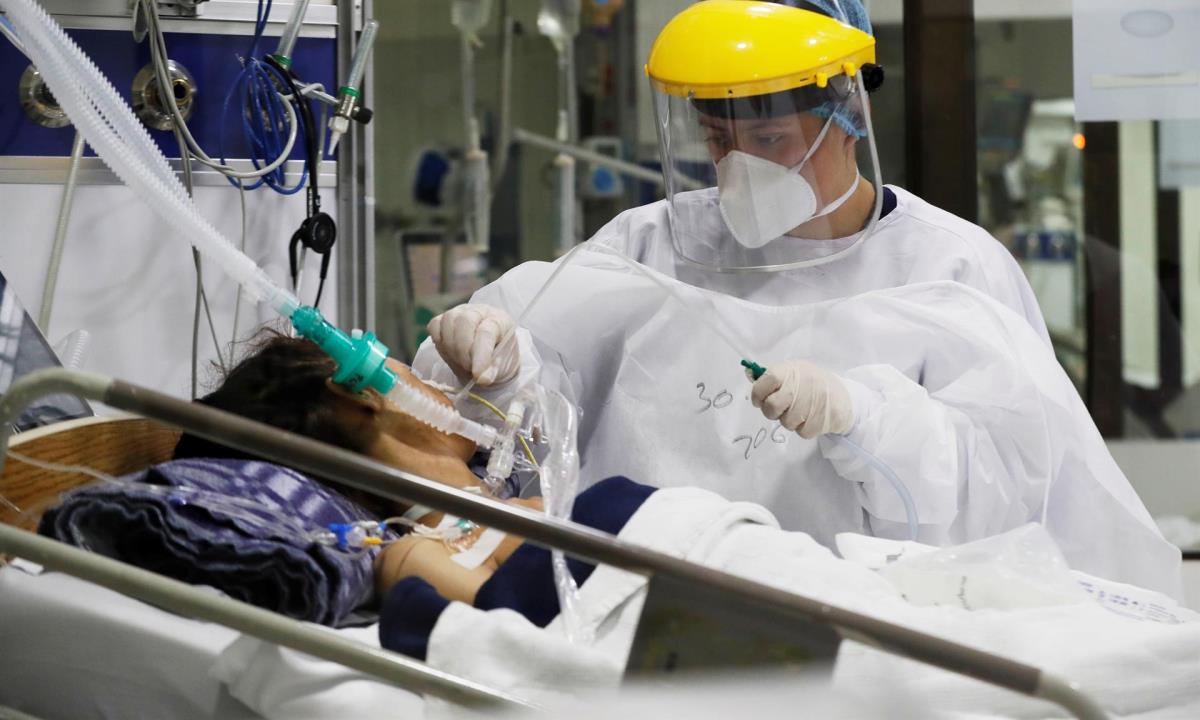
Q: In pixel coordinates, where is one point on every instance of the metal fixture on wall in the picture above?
(149, 106)
(38, 102)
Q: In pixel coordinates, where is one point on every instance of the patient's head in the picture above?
(285, 382)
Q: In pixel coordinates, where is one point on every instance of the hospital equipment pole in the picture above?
(351, 469)
(624, 167)
(60, 236)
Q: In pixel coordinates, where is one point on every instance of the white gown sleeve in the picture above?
(987, 451)
(969, 477)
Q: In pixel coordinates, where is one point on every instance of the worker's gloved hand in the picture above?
(471, 339)
(805, 398)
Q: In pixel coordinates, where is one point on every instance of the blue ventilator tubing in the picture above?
(756, 371)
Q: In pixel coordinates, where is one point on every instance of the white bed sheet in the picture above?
(72, 649)
(1134, 651)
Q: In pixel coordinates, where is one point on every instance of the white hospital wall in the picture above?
(1165, 474)
(128, 279)
(1139, 254)
(1189, 238)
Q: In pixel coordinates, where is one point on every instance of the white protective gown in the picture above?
(954, 391)
(915, 242)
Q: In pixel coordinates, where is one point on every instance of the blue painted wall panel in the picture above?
(212, 60)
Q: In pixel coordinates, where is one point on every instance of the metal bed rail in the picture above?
(188, 601)
(580, 541)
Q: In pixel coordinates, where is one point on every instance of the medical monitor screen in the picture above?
(23, 350)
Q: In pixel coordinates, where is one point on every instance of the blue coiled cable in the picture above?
(257, 91)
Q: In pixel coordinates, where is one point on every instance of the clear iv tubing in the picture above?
(910, 507)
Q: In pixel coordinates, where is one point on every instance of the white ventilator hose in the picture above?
(412, 401)
(109, 126)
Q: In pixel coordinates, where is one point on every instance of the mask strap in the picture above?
(841, 200)
(817, 143)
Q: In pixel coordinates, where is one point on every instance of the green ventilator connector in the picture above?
(359, 356)
(753, 369)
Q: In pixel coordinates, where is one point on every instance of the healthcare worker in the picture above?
(761, 111)
(767, 100)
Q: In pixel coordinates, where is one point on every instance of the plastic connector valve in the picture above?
(360, 357)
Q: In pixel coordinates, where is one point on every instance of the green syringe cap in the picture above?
(755, 370)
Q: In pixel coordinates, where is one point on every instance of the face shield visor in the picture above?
(764, 174)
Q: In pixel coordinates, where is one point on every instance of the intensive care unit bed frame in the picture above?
(735, 604)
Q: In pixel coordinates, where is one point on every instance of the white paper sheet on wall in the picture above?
(1178, 154)
(1136, 59)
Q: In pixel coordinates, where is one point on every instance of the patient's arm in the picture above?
(429, 559)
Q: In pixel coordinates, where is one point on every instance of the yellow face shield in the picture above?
(760, 109)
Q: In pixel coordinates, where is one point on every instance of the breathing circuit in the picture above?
(109, 126)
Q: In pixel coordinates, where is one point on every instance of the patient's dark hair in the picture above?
(282, 382)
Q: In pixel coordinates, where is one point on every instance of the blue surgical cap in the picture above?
(852, 13)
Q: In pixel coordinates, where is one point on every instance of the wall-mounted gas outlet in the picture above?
(148, 104)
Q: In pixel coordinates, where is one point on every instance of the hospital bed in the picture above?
(129, 444)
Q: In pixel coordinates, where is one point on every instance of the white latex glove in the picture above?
(805, 398)
(469, 338)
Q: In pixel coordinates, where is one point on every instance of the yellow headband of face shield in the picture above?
(740, 48)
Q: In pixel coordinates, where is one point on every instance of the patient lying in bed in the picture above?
(1100, 633)
(284, 382)
(436, 609)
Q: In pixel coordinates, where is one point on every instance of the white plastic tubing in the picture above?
(109, 126)
(107, 123)
(412, 401)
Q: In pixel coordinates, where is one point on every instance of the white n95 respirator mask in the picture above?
(762, 200)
